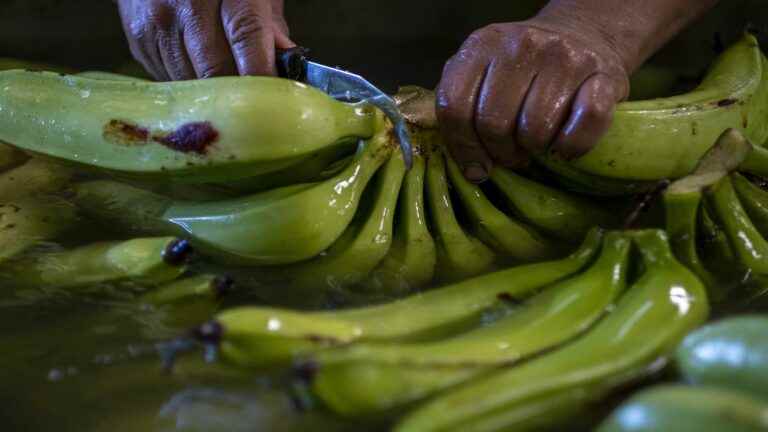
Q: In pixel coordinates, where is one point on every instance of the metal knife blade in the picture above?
(347, 86)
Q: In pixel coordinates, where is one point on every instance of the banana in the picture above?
(29, 221)
(109, 76)
(503, 234)
(621, 347)
(555, 212)
(34, 177)
(682, 201)
(755, 202)
(370, 378)
(197, 131)
(147, 261)
(184, 303)
(459, 254)
(688, 409)
(259, 336)
(410, 262)
(750, 246)
(353, 256)
(734, 94)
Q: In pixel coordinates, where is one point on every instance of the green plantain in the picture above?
(31, 220)
(258, 336)
(503, 234)
(459, 254)
(410, 262)
(198, 131)
(369, 378)
(34, 177)
(621, 347)
(555, 212)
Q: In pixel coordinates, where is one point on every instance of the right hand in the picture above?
(188, 39)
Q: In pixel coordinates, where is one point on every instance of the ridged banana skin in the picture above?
(459, 254)
(354, 255)
(271, 228)
(504, 235)
(665, 138)
(410, 262)
(201, 129)
(622, 346)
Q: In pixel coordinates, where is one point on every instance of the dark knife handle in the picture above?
(292, 63)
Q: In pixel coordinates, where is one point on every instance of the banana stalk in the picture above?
(621, 347)
(371, 378)
(198, 131)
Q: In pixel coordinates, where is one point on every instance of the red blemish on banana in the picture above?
(195, 137)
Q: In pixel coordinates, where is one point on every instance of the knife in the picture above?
(345, 86)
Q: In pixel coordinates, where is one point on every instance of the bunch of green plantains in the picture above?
(307, 203)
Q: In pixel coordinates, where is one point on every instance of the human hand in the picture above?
(512, 89)
(187, 39)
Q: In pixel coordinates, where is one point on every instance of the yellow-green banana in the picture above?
(196, 130)
(504, 235)
(664, 138)
(371, 378)
(664, 304)
(258, 336)
(555, 212)
(34, 177)
(29, 221)
(459, 254)
(410, 262)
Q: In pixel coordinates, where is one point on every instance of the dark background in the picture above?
(392, 42)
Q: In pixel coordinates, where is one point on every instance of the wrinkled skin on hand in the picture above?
(187, 39)
(523, 87)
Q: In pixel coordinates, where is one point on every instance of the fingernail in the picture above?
(475, 172)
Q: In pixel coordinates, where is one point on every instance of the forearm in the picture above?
(635, 28)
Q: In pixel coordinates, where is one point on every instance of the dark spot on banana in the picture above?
(177, 252)
(321, 339)
(125, 133)
(694, 128)
(726, 102)
(195, 137)
(221, 286)
(744, 120)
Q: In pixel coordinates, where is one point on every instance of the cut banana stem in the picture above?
(371, 378)
(410, 262)
(34, 177)
(354, 255)
(284, 225)
(146, 261)
(621, 347)
(29, 221)
(503, 234)
(754, 200)
(201, 130)
(556, 212)
(750, 246)
(252, 336)
(459, 254)
(734, 94)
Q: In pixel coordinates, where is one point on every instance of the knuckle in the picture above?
(493, 127)
(213, 69)
(242, 25)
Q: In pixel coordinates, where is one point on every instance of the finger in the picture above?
(546, 107)
(141, 30)
(590, 116)
(501, 97)
(174, 55)
(249, 28)
(457, 97)
(206, 44)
